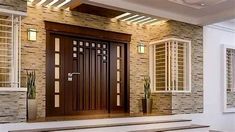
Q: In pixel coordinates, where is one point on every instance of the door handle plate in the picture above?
(70, 75)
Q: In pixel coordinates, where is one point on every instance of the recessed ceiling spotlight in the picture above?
(202, 4)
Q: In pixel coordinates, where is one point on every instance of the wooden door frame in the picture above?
(90, 33)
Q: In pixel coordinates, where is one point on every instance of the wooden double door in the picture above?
(85, 76)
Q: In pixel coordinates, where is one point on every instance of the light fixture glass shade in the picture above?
(141, 48)
(32, 34)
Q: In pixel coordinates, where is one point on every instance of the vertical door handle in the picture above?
(70, 75)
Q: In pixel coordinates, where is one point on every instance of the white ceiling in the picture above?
(201, 12)
(229, 25)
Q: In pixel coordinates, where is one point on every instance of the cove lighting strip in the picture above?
(137, 19)
(51, 3)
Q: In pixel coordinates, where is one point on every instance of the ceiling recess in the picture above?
(197, 4)
(77, 5)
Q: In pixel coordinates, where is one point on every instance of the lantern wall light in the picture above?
(32, 34)
(141, 48)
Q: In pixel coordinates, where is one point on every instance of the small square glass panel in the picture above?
(74, 42)
(81, 43)
(74, 54)
(104, 58)
(74, 48)
(93, 44)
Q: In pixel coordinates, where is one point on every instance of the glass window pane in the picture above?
(74, 48)
(57, 73)
(57, 101)
(118, 75)
(57, 44)
(74, 54)
(74, 42)
(81, 43)
(57, 59)
(118, 64)
(81, 49)
(104, 57)
(93, 44)
(57, 87)
(118, 88)
(118, 100)
(118, 51)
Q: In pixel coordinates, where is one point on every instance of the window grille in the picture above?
(170, 65)
(9, 51)
(230, 69)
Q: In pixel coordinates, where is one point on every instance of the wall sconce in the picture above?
(32, 34)
(141, 48)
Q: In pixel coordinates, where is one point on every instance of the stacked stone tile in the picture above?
(16, 5)
(12, 107)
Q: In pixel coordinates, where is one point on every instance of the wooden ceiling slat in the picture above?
(58, 3)
(36, 1)
(47, 2)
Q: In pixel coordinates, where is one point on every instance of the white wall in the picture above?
(213, 112)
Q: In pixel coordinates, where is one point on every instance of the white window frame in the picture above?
(152, 65)
(224, 78)
(15, 57)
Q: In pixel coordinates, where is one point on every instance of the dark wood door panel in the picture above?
(118, 83)
(90, 59)
(95, 89)
(51, 92)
